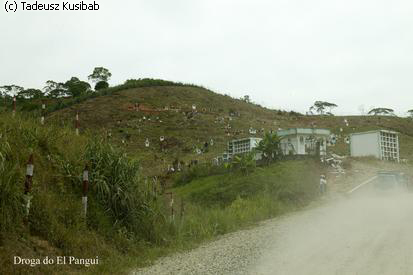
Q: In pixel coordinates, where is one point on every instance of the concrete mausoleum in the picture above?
(304, 141)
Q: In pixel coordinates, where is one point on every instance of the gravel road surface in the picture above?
(363, 235)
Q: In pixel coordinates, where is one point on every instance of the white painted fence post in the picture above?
(14, 106)
(85, 190)
(77, 123)
(28, 184)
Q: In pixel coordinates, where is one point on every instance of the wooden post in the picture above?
(77, 123)
(182, 208)
(171, 204)
(154, 188)
(43, 112)
(14, 106)
(28, 184)
(85, 190)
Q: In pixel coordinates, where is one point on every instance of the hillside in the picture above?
(219, 118)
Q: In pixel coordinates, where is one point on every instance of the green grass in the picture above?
(283, 180)
(223, 203)
(120, 219)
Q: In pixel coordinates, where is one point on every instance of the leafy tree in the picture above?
(75, 87)
(381, 111)
(30, 94)
(101, 85)
(100, 74)
(269, 146)
(54, 89)
(11, 90)
(245, 163)
(320, 107)
(410, 112)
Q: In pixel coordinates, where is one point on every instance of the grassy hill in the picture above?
(216, 116)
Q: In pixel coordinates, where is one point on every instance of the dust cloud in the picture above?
(369, 232)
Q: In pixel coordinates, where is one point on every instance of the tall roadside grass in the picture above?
(120, 219)
(223, 203)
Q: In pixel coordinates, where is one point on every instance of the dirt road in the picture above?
(364, 235)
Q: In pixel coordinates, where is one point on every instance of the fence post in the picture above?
(182, 208)
(85, 189)
(148, 188)
(77, 123)
(43, 112)
(28, 184)
(14, 106)
(154, 188)
(171, 204)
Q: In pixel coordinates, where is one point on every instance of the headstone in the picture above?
(147, 143)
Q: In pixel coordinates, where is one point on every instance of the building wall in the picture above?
(289, 145)
(301, 141)
(364, 145)
(389, 146)
(299, 145)
(243, 146)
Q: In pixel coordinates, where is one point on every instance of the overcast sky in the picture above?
(284, 54)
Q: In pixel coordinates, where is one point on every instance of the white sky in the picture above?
(284, 53)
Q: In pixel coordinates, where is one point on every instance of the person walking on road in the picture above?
(323, 184)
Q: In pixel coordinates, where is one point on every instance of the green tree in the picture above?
(75, 87)
(54, 89)
(269, 147)
(30, 94)
(320, 107)
(101, 85)
(11, 90)
(245, 163)
(100, 74)
(381, 111)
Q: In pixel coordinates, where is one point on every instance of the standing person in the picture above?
(323, 184)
